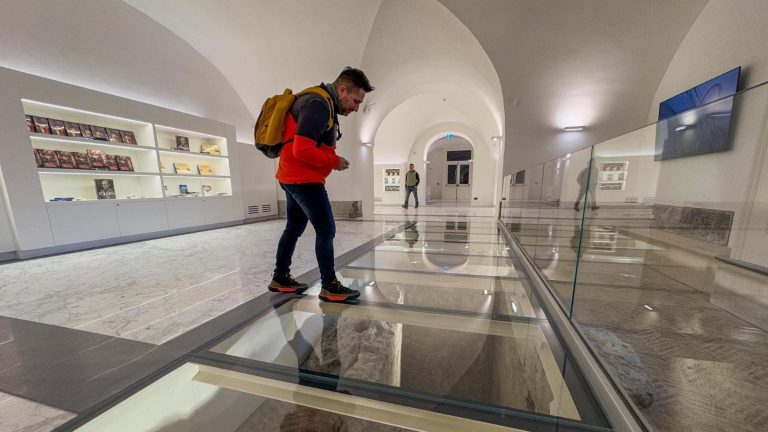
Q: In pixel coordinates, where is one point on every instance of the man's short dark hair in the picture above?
(353, 78)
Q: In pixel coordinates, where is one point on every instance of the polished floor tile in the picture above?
(155, 290)
(21, 415)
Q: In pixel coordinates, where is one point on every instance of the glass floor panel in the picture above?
(413, 244)
(449, 236)
(454, 227)
(468, 295)
(621, 243)
(499, 363)
(437, 263)
(201, 398)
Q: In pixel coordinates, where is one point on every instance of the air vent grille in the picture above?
(266, 208)
(633, 200)
(254, 209)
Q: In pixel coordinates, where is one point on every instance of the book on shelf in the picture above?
(86, 130)
(182, 143)
(48, 158)
(98, 158)
(114, 136)
(112, 163)
(128, 137)
(38, 161)
(105, 189)
(57, 127)
(183, 189)
(99, 133)
(30, 123)
(66, 159)
(82, 160)
(211, 149)
(41, 125)
(204, 170)
(73, 129)
(181, 168)
(124, 163)
(206, 189)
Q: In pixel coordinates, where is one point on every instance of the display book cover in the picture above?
(124, 163)
(48, 158)
(98, 158)
(114, 135)
(112, 163)
(204, 170)
(105, 189)
(182, 143)
(181, 168)
(66, 159)
(211, 149)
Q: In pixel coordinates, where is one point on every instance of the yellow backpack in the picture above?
(270, 125)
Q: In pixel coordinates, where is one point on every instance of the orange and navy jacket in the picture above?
(311, 156)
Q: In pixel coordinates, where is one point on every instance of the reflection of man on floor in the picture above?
(587, 180)
(411, 235)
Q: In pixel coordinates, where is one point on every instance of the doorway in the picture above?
(449, 171)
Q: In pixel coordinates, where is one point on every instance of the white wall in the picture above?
(108, 46)
(7, 242)
(258, 185)
(726, 34)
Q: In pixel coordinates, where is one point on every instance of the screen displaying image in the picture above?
(698, 120)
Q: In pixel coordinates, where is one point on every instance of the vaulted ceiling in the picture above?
(594, 63)
(560, 63)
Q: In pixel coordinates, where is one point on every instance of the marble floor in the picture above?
(646, 302)
(448, 334)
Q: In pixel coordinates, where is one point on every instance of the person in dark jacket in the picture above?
(411, 182)
(305, 162)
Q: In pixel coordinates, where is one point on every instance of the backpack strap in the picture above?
(324, 94)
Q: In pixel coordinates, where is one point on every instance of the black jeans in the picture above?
(307, 202)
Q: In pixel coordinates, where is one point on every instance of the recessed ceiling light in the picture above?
(679, 128)
(573, 128)
(648, 307)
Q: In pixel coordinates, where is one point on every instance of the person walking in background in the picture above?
(587, 176)
(305, 161)
(411, 182)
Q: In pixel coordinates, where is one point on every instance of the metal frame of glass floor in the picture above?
(449, 335)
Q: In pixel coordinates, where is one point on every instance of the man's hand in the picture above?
(343, 164)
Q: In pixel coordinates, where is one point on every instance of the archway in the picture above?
(448, 170)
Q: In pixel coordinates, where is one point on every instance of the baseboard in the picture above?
(73, 247)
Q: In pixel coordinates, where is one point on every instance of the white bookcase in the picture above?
(148, 200)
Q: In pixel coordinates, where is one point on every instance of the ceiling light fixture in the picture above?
(680, 128)
(368, 144)
(573, 128)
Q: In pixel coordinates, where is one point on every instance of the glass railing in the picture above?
(655, 244)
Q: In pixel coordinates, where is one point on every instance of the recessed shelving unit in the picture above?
(155, 159)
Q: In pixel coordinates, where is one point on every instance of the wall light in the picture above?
(573, 128)
(680, 128)
(368, 144)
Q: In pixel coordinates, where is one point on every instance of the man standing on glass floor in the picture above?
(411, 182)
(305, 162)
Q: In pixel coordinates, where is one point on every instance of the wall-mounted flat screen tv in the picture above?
(697, 121)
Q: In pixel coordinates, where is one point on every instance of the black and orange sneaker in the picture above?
(335, 292)
(286, 284)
